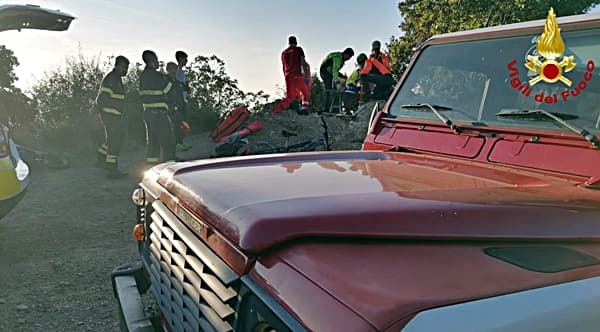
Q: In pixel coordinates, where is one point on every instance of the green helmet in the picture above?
(376, 45)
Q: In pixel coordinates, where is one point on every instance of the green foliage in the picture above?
(15, 107)
(8, 62)
(214, 92)
(425, 18)
(317, 93)
(67, 93)
(64, 96)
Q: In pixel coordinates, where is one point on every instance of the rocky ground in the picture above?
(346, 133)
(59, 245)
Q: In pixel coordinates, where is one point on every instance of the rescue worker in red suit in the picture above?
(377, 71)
(295, 70)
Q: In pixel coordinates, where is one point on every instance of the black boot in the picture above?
(114, 173)
(100, 161)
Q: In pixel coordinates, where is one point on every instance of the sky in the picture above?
(248, 35)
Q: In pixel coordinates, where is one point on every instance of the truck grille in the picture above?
(195, 289)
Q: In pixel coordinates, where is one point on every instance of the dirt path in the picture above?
(58, 247)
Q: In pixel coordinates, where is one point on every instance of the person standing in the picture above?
(295, 70)
(178, 108)
(110, 103)
(182, 59)
(377, 71)
(156, 94)
(329, 72)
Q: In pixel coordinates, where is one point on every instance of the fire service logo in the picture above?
(549, 63)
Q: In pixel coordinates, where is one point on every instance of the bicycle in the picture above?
(42, 158)
(305, 146)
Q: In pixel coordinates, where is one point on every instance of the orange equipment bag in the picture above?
(230, 123)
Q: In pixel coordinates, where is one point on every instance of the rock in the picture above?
(2, 301)
(345, 133)
(22, 307)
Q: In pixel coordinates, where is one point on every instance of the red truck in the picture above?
(474, 205)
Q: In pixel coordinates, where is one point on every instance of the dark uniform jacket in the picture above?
(111, 96)
(155, 91)
(176, 96)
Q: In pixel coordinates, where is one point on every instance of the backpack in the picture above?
(236, 146)
(230, 123)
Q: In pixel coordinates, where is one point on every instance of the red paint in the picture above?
(387, 282)
(409, 197)
(364, 240)
(551, 71)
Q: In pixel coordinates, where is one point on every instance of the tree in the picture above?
(317, 93)
(8, 62)
(15, 108)
(425, 18)
(65, 94)
(214, 92)
(62, 100)
(63, 97)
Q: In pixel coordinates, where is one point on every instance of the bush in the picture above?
(62, 100)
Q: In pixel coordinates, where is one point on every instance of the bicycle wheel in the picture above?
(275, 149)
(263, 145)
(42, 158)
(307, 146)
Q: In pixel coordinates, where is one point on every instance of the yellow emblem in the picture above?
(550, 47)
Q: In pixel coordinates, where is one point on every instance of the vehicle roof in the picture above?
(565, 22)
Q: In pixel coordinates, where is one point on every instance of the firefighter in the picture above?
(110, 103)
(156, 92)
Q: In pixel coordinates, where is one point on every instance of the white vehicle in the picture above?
(14, 172)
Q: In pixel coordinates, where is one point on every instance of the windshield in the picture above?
(479, 79)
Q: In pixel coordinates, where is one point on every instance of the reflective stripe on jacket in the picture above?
(111, 95)
(155, 88)
(381, 63)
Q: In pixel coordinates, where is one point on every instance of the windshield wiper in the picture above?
(434, 109)
(557, 117)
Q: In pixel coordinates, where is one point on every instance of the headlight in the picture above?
(22, 170)
(138, 197)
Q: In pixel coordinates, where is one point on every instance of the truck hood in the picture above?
(260, 202)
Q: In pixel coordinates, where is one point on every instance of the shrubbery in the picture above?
(57, 110)
(56, 114)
